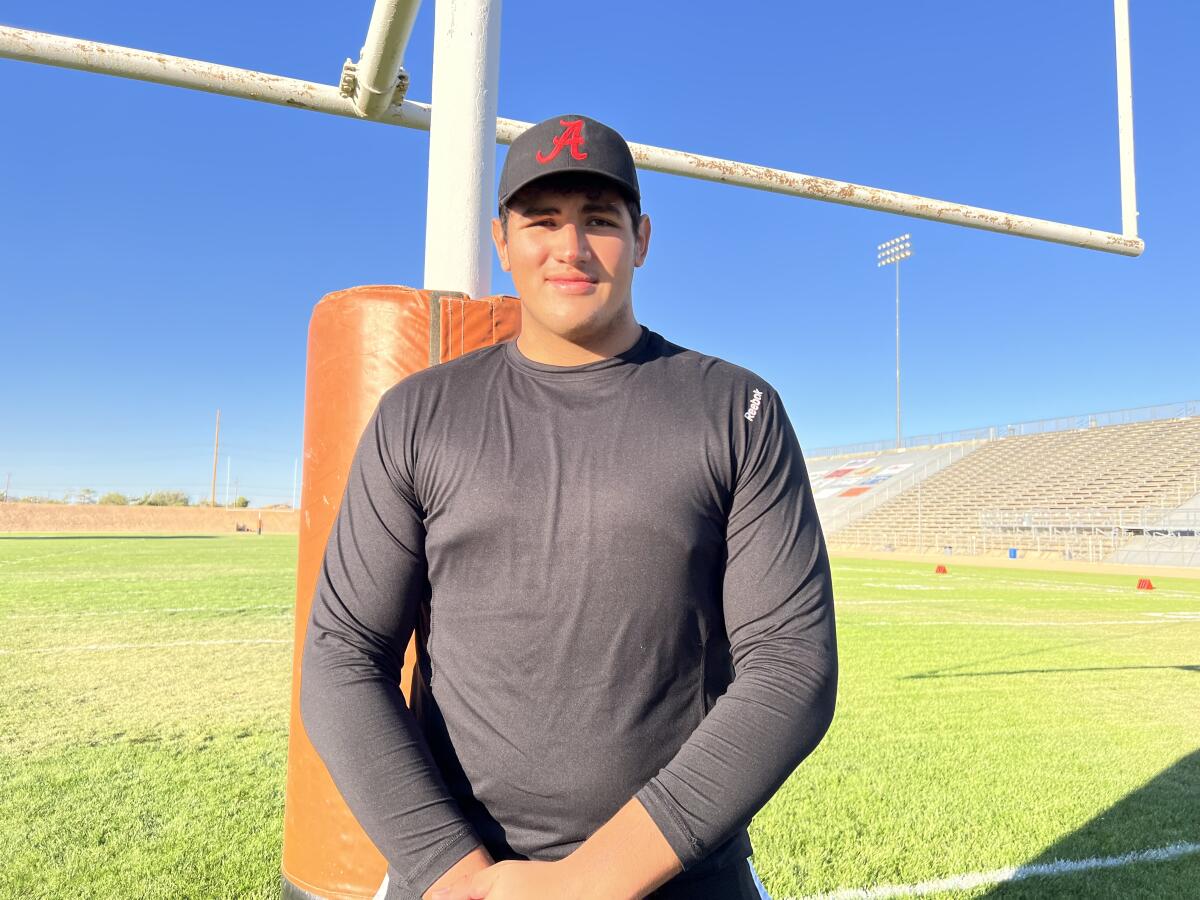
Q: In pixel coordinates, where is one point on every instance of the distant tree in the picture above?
(163, 498)
(85, 495)
(241, 503)
(112, 498)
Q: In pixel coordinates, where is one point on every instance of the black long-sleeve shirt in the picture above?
(619, 587)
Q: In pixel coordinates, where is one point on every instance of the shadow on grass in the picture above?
(109, 537)
(1036, 651)
(1179, 668)
(1163, 812)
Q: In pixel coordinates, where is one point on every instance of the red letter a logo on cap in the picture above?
(572, 137)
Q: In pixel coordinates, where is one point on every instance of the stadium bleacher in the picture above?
(1076, 493)
(848, 486)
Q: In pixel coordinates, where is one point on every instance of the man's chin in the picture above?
(580, 320)
(578, 328)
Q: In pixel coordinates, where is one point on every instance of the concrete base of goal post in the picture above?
(361, 341)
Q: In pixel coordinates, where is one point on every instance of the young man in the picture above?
(608, 548)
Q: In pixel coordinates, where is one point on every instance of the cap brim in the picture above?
(623, 186)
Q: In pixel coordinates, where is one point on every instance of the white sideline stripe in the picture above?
(91, 648)
(976, 622)
(1014, 873)
(148, 609)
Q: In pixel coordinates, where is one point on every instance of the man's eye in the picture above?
(607, 222)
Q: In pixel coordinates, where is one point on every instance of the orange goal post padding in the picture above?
(361, 341)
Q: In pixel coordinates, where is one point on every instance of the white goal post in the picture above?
(462, 170)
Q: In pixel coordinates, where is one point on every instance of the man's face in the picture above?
(572, 257)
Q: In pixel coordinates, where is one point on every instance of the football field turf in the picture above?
(987, 719)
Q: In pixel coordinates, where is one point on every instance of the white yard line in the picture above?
(145, 610)
(53, 554)
(964, 573)
(907, 587)
(93, 648)
(879, 602)
(1190, 596)
(1001, 876)
(1075, 586)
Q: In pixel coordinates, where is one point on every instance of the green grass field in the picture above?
(987, 718)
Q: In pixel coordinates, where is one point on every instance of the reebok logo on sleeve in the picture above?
(755, 403)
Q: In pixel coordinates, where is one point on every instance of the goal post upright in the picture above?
(462, 146)
(1129, 213)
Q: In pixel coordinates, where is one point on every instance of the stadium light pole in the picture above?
(890, 253)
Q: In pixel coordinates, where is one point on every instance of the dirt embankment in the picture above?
(50, 517)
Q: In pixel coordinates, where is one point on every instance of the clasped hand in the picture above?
(513, 880)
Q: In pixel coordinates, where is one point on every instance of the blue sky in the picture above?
(161, 250)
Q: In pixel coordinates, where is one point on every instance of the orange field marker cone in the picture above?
(941, 570)
(1144, 584)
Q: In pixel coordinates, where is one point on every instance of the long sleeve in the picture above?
(778, 608)
(372, 583)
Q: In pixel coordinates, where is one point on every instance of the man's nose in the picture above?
(572, 243)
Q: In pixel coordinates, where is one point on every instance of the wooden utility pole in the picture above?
(212, 501)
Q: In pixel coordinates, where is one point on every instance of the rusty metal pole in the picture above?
(378, 79)
(126, 62)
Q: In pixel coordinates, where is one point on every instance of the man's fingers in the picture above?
(460, 890)
(481, 882)
(472, 887)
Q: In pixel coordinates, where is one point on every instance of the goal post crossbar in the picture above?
(142, 65)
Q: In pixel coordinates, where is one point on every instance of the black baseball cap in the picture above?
(568, 144)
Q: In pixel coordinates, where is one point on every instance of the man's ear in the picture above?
(501, 244)
(643, 241)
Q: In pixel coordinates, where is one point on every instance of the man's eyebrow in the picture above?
(533, 212)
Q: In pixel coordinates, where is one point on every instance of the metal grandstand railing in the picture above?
(1186, 409)
(1137, 521)
(1094, 533)
(1170, 539)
